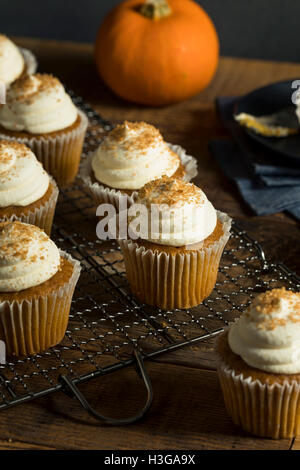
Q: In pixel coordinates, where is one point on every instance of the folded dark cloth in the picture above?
(265, 185)
(277, 175)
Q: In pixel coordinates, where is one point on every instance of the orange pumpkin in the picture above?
(157, 52)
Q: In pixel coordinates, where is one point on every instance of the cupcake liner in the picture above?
(266, 410)
(103, 195)
(190, 163)
(41, 216)
(180, 280)
(60, 154)
(34, 325)
(31, 64)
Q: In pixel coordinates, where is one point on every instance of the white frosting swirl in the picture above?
(22, 178)
(172, 212)
(133, 154)
(37, 104)
(27, 256)
(11, 61)
(267, 335)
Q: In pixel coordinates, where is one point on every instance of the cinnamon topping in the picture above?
(178, 213)
(27, 256)
(29, 86)
(275, 300)
(37, 104)
(6, 156)
(171, 191)
(133, 154)
(267, 336)
(146, 136)
(22, 178)
(17, 238)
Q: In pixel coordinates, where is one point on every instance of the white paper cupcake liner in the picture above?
(262, 409)
(180, 280)
(104, 195)
(190, 163)
(34, 325)
(41, 216)
(60, 154)
(31, 64)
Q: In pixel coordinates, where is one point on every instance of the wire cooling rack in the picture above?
(108, 329)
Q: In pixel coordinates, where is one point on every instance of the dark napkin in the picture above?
(265, 184)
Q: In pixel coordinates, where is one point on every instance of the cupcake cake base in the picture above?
(59, 152)
(35, 319)
(168, 277)
(263, 404)
(39, 213)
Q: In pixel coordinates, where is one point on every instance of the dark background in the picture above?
(266, 29)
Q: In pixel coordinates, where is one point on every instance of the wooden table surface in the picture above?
(188, 410)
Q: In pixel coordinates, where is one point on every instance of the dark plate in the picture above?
(268, 100)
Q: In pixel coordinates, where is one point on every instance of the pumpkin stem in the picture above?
(156, 9)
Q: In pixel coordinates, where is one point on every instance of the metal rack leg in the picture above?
(70, 388)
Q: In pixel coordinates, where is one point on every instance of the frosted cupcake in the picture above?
(259, 366)
(37, 282)
(27, 192)
(174, 262)
(131, 155)
(39, 113)
(14, 61)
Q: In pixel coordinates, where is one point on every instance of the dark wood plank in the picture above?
(296, 444)
(11, 444)
(187, 413)
(199, 356)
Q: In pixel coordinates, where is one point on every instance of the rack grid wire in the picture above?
(106, 323)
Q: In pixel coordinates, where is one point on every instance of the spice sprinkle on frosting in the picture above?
(131, 155)
(37, 104)
(267, 335)
(22, 177)
(27, 256)
(177, 213)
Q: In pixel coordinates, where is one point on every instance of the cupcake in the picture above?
(37, 282)
(27, 192)
(39, 113)
(14, 61)
(131, 155)
(175, 244)
(259, 366)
